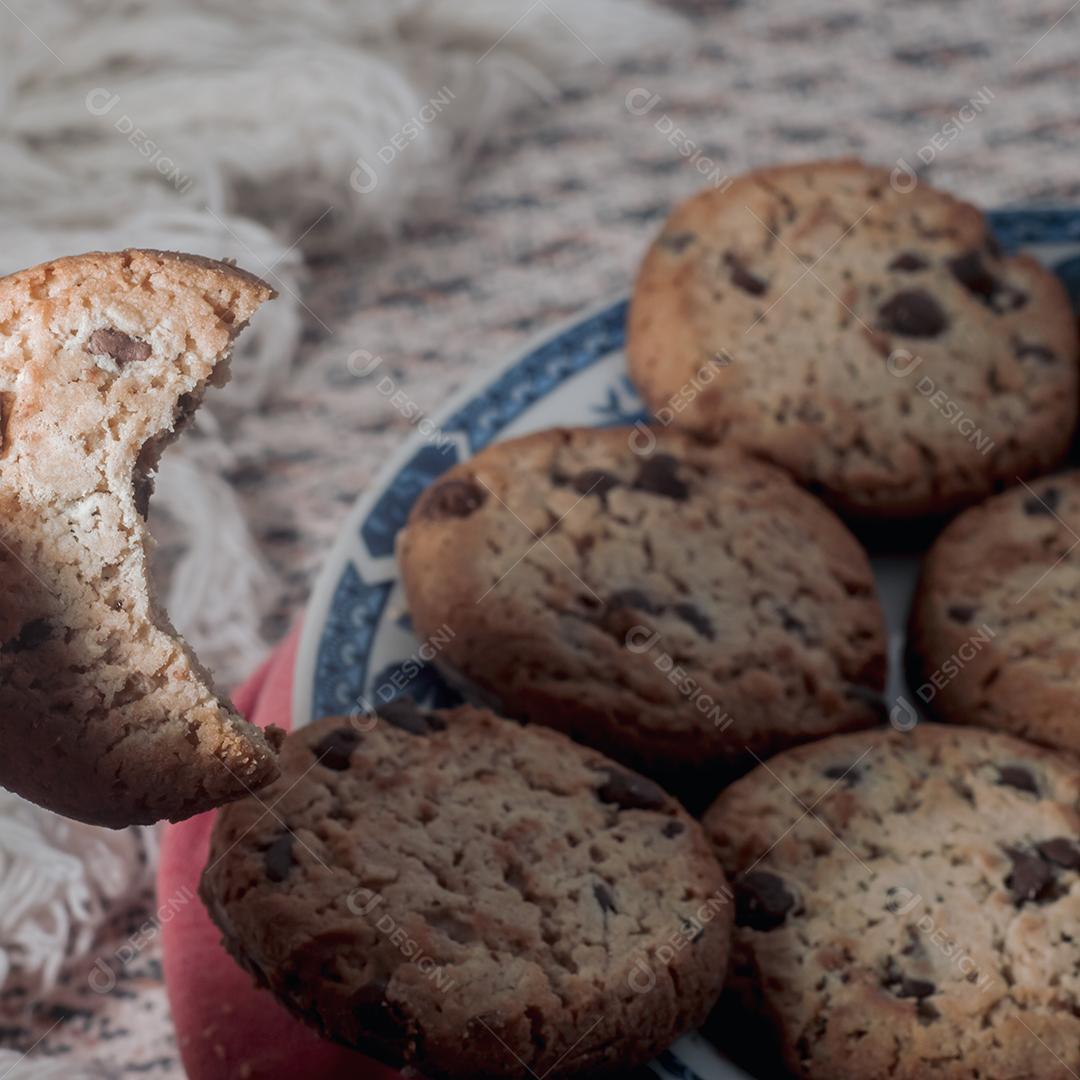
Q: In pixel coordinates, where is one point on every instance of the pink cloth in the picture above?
(225, 1027)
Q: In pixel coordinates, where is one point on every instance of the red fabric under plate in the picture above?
(225, 1027)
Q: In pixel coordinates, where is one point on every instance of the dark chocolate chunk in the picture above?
(913, 313)
(970, 270)
(1061, 852)
(961, 613)
(408, 716)
(335, 749)
(849, 775)
(121, 347)
(595, 482)
(32, 634)
(908, 262)
(1018, 777)
(278, 858)
(914, 988)
(604, 897)
(742, 278)
(696, 618)
(376, 1014)
(1031, 877)
(1045, 502)
(634, 599)
(659, 476)
(762, 901)
(453, 499)
(672, 829)
(630, 792)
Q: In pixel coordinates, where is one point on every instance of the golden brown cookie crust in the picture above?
(456, 892)
(686, 608)
(911, 370)
(906, 906)
(994, 637)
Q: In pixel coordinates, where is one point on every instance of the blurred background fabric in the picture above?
(427, 186)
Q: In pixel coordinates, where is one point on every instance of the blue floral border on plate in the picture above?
(356, 608)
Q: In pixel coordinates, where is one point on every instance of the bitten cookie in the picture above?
(907, 905)
(108, 717)
(677, 606)
(455, 892)
(874, 342)
(994, 637)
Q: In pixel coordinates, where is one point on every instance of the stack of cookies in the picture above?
(681, 616)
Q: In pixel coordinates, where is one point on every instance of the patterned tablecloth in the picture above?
(553, 219)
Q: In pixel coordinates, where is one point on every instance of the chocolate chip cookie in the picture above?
(108, 716)
(907, 905)
(678, 606)
(876, 342)
(455, 892)
(994, 637)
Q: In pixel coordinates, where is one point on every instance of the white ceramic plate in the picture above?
(357, 646)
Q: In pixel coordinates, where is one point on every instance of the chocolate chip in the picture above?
(33, 633)
(1031, 877)
(406, 715)
(453, 499)
(913, 313)
(634, 599)
(604, 897)
(672, 829)
(970, 270)
(914, 988)
(658, 476)
(908, 262)
(843, 772)
(762, 901)
(1035, 352)
(278, 858)
(678, 242)
(1045, 503)
(696, 618)
(121, 347)
(961, 613)
(1061, 851)
(791, 624)
(335, 749)
(375, 1013)
(742, 278)
(1018, 777)
(628, 791)
(595, 482)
